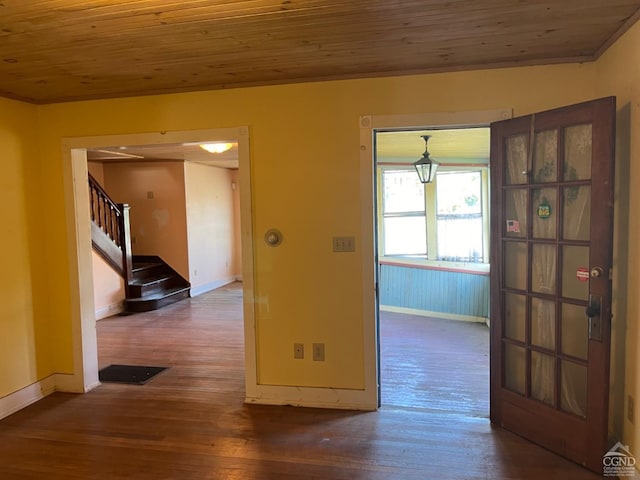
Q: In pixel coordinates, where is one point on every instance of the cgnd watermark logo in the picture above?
(618, 462)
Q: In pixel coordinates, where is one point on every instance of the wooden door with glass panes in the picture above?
(552, 223)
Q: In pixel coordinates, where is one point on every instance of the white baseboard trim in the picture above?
(24, 397)
(207, 287)
(69, 383)
(57, 382)
(311, 397)
(427, 313)
(109, 310)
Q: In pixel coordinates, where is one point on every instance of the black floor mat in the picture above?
(134, 374)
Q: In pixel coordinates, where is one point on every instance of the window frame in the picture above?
(402, 214)
(431, 259)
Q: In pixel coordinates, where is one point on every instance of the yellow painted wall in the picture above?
(24, 333)
(618, 73)
(96, 169)
(305, 179)
(210, 225)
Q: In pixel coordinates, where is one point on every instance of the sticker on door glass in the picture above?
(582, 274)
(513, 226)
(544, 209)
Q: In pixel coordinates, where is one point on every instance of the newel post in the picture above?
(125, 242)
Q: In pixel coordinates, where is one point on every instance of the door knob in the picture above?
(596, 272)
(593, 311)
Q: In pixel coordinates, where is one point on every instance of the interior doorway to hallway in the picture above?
(83, 305)
(433, 266)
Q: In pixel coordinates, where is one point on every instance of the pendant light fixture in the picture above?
(426, 167)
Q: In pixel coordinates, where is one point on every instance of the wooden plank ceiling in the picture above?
(62, 50)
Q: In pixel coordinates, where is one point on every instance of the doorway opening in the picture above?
(433, 269)
(184, 212)
(75, 150)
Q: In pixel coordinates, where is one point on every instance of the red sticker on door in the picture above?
(582, 274)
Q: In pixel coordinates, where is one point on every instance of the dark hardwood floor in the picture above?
(434, 364)
(190, 421)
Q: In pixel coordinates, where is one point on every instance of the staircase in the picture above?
(153, 285)
(149, 282)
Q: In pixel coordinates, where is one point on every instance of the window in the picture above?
(404, 215)
(459, 216)
(444, 220)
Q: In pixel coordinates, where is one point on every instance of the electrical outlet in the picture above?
(318, 352)
(630, 409)
(344, 244)
(298, 351)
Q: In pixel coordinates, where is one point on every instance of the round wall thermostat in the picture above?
(273, 237)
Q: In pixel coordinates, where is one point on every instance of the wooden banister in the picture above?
(113, 221)
(104, 211)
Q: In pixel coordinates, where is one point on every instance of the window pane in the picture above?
(459, 214)
(405, 235)
(460, 239)
(403, 192)
(459, 193)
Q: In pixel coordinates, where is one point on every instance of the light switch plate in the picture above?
(344, 244)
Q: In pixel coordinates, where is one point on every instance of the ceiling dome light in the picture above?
(216, 147)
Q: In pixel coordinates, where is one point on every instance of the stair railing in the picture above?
(113, 220)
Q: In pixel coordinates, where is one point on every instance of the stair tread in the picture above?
(138, 266)
(159, 295)
(154, 284)
(151, 280)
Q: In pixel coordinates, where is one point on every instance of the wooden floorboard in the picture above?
(434, 364)
(190, 421)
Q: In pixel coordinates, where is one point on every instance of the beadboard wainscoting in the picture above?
(435, 291)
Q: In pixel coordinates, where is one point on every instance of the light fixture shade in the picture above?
(218, 147)
(426, 167)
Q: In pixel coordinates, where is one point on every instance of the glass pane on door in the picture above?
(515, 265)
(515, 311)
(516, 150)
(573, 398)
(543, 323)
(543, 375)
(577, 212)
(575, 272)
(577, 152)
(575, 331)
(543, 265)
(545, 158)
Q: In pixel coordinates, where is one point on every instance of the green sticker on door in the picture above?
(544, 209)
